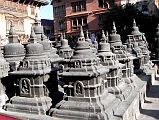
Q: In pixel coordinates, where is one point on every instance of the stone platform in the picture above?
(150, 108)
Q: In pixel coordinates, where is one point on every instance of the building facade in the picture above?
(48, 28)
(19, 13)
(71, 14)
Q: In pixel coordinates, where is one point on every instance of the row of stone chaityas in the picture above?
(92, 81)
(87, 82)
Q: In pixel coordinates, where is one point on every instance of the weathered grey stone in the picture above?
(85, 86)
(31, 96)
(64, 50)
(13, 51)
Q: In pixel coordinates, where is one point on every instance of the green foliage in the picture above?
(123, 17)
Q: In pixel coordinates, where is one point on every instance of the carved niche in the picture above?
(79, 89)
(24, 86)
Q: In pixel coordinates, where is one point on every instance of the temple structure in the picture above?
(21, 13)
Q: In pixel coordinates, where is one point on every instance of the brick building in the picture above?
(70, 14)
(21, 13)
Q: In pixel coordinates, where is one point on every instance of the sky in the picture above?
(46, 12)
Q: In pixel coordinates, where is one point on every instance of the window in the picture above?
(80, 21)
(78, 6)
(103, 4)
(62, 25)
(59, 11)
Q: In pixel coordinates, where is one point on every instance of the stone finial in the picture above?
(12, 30)
(114, 28)
(87, 37)
(81, 36)
(104, 37)
(32, 36)
(61, 37)
(134, 22)
(37, 20)
(64, 35)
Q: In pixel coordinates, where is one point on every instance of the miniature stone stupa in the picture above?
(85, 86)
(31, 94)
(122, 55)
(65, 50)
(109, 60)
(13, 51)
(139, 37)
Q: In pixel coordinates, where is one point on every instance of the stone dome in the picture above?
(135, 29)
(45, 43)
(83, 50)
(13, 48)
(104, 46)
(115, 39)
(38, 29)
(34, 48)
(64, 43)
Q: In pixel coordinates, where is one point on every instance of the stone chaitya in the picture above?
(138, 40)
(85, 86)
(109, 59)
(122, 55)
(4, 68)
(51, 52)
(13, 51)
(136, 51)
(30, 92)
(65, 50)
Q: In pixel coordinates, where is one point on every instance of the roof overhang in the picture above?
(33, 2)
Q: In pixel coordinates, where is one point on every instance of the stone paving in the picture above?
(150, 109)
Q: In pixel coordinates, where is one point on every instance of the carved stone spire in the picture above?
(81, 36)
(135, 29)
(115, 39)
(32, 36)
(104, 46)
(104, 37)
(83, 50)
(13, 51)
(13, 38)
(114, 28)
(65, 51)
(38, 29)
(87, 37)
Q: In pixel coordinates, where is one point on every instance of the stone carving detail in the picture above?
(24, 85)
(78, 88)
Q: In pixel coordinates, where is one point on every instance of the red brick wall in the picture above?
(92, 19)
